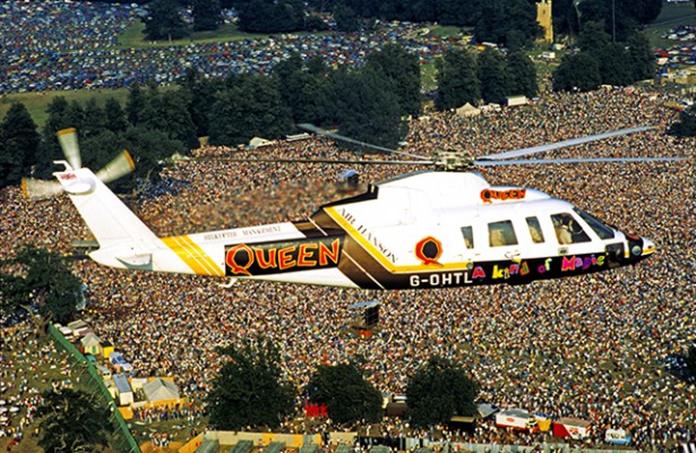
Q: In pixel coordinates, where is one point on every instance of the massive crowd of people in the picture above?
(57, 46)
(592, 347)
(29, 365)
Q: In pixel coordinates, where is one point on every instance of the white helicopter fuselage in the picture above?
(422, 230)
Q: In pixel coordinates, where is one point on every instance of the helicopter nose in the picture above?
(648, 247)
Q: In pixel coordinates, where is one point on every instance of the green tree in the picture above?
(457, 82)
(13, 293)
(615, 66)
(304, 90)
(691, 360)
(249, 390)
(346, 19)
(402, 68)
(269, 16)
(686, 126)
(135, 104)
(149, 148)
(438, 391)
(20, 145)
(98, 149)
(94, 119)
(348, 396)
(251, 107)
(49, 148)
(368, 108)
(577, 72)
(206, 14)
(523, 76)
(70, 420)
(629, 15)
(168, 111)
(50, 282)
(115, 116)
(75, 115)
(493, 76)
(500, 19)
(164, 21)
(593, 37)
(565, 18)
(201, 92)
(642, 57)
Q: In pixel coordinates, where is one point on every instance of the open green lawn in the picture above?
(671, 15)
(445, 31)
(429, 76)
(133, 37)
(36, 102)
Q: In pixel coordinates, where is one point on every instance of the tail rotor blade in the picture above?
(120, 166)
(37, 189)
(68, 143)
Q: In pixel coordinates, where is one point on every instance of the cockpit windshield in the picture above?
(603, 231)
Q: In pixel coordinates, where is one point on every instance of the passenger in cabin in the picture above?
(563, 234)
(568, 231)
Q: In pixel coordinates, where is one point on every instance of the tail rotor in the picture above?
(37, 189)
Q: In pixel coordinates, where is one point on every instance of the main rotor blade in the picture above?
(588, 160)
(38, 189)
(566, 143)
(121, 165)
(325, 133)
(319, 161)
(68, 143)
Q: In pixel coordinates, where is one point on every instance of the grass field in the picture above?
(36, 103)
(133, 38)
(671, 15)
(429, 76)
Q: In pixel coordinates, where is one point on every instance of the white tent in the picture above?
(159, 389)
(91, 344)
(468, 110)
(258, 142)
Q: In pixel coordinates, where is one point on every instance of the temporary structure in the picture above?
(160, 390)
(91, 344)
(468, 110)
(518, 419)
(575, 428)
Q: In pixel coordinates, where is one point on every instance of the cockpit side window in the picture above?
(501, 234)
(568, 230)
(535, 230)
(468, 235)
(603, 231)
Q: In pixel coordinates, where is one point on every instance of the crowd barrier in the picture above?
(123, 439)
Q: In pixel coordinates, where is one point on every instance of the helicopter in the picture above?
(446, 227)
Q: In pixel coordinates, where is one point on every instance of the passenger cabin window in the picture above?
(603, 231)
(468, 234)
(535, 230)
(501, 233)
(568, 231)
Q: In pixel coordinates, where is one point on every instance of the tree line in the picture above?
(599, 60)
(506, 22)
(250, 391)
(367, 103)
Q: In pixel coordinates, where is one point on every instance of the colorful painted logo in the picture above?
(274, 258)
(488, 195)
(429, 250)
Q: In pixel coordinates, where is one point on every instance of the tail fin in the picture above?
(107, 217)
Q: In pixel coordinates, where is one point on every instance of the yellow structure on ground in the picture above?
(545, 19)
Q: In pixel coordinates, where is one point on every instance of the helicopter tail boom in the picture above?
(120, 233)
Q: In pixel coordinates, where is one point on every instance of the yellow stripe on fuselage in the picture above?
(383, 260)
(193, 255)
